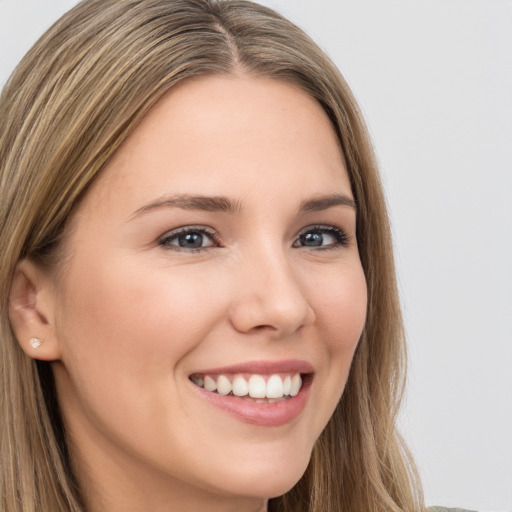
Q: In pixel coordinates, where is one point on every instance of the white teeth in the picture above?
(240, 386)
(223, 385)
(296, 385)
(257, 387)
(275, 387)
(209, 384)
(287, 385)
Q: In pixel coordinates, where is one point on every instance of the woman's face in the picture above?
(217, 248)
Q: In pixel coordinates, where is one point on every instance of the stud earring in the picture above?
(35, 342)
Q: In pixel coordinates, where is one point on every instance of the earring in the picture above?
(35, 342)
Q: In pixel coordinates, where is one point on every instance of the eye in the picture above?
(189, 239)
(326, 237)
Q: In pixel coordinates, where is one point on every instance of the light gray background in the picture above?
(434, 78)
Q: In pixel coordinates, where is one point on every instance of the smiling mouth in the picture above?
(257, 388)
(260, 393)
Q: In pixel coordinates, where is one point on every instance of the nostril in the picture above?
(264, 328)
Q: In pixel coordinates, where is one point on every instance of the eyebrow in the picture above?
(325, 202)
(225, 205)
(191, 202)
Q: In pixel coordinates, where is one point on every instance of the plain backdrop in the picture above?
(434, 79)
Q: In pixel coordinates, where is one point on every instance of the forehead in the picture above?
(223, 135)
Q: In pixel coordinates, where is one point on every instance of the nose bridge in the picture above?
(270, 292)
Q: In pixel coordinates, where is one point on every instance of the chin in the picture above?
(266, 478)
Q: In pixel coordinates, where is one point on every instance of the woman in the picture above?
(199, 308)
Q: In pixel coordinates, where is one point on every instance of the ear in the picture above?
(32, 312)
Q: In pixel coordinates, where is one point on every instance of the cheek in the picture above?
(125, 330)
(133, 310)
(341, 309)
(341, 314)
(124, 334)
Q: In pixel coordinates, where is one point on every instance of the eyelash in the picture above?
(341, 239)
(202, 230)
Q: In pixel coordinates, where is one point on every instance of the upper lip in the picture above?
(262, 367)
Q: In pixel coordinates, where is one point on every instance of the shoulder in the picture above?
(443, 509)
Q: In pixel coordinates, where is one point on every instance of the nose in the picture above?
(270, 297)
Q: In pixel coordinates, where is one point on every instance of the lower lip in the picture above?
(264, 415)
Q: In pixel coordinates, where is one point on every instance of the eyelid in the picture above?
(342, 239)
(174, 233)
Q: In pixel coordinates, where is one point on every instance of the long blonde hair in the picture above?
(74, 98)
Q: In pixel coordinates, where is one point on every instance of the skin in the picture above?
(126, 318)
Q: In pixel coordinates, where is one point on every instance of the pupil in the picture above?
(312, 239)
(191, 240)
